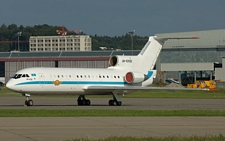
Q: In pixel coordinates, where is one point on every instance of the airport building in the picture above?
(202, 57)
(197, 58)
(60, 43)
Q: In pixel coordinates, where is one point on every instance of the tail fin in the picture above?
(145, 60)
(150, 52)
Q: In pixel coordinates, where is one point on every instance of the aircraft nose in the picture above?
(9, 85)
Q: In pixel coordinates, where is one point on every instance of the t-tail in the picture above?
(144, 62)
(146, 59)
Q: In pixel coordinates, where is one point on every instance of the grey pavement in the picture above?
(61, 128)
(102, 103)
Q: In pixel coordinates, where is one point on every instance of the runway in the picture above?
(102, 103)
(63, 128)
(59, 128)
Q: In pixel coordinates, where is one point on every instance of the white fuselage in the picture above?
(65, 80)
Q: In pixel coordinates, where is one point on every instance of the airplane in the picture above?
(125, 74)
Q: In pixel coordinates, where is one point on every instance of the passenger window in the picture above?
(23, 75)
(114, 76)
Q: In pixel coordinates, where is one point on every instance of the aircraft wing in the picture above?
(129, 89)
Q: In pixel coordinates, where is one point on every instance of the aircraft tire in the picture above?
(29, 102)
(84, 102)
(26, 102)
(80, 102)
(112, 102)
(87, 102)
(119, 103)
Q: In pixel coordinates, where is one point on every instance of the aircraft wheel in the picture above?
(30, 103)
(112, 102)
(26, 101)
(88, 102)
(78, 102)
(81, 102)
(119, 103)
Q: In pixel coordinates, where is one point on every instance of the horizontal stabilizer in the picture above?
(176, 38)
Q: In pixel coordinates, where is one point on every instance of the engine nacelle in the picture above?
(118, 61)
(135, 77)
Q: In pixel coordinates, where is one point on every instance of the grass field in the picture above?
(170, 138)
(105, 113)
(217, 94)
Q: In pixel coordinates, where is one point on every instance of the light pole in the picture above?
(18, 35)
(132, 43)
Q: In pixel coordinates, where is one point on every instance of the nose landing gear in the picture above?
(28, 102)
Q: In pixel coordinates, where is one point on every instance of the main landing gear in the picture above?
(28, 102)
(112, 102)
(83, 101)
(115, 101)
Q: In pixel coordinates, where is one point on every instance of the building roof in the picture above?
(66, 54)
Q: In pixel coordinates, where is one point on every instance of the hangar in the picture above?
(200, 57)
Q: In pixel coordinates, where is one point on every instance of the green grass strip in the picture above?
(169, 138)
(106, 113)
(217, 94)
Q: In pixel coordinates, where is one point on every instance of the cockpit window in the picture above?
(16, 76)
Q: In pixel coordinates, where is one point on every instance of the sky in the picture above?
(117, 17)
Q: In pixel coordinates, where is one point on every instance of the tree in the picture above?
(8, 33)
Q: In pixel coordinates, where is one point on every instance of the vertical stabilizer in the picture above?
(145, 60)
(150, 52)
(148, 56)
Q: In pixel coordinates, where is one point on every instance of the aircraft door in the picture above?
(41, 79)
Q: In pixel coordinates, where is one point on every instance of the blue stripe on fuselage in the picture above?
(72, 83)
